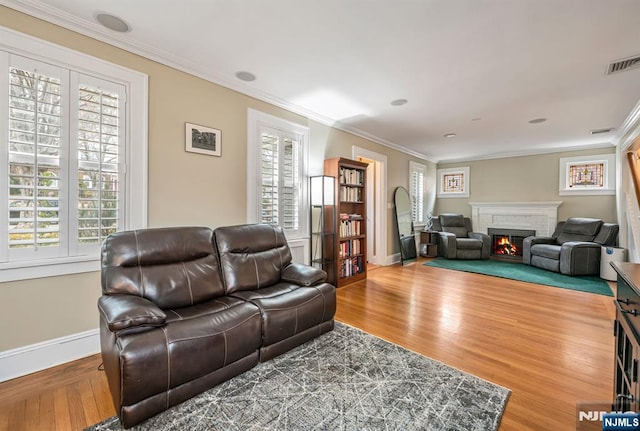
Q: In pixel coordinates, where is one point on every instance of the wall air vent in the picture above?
(622, 65)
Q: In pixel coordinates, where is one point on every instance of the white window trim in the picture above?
(254, 120)
(419, 167)
(464, 193)
(136, 85)
(609, 187)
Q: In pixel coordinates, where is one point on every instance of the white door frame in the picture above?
(380, 191)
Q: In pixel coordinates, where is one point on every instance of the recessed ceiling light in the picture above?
(537, 120)
(399, 102)
(113, 22)
(245, 76)
(450, 135)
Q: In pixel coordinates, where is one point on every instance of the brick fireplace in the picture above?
(512, 222)
(541, 217)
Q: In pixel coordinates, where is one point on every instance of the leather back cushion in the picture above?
(454, 223)
(172, 267)
(579, 229)
(608, 234)
(252, 256)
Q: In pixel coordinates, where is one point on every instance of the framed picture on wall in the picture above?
(203, 140)
(453, 183)
(587, 175)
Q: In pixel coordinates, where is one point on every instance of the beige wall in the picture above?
(528, 178)
(184, 188)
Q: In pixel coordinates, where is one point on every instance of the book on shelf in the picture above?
(351, 176)
(351, 266)
(350, 228)
(350, 248)
(350, 194)
(345, 216)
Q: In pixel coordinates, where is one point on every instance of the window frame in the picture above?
(609, 175)
(255, 121)
(418, 168)
(135, 156)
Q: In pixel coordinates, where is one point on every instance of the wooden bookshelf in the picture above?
(350, 244)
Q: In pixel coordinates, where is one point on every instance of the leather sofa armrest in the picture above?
(529, 242)
(580, 258)
(127, 311)
(447, 245)
(486, 243)
(303, 275)
(533, 240)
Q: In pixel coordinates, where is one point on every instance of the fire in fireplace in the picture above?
(508, 242)
(502, 245)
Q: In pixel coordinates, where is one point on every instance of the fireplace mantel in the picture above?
(539, 216)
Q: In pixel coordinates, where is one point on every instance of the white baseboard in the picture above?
(35, 357)
(392, 259)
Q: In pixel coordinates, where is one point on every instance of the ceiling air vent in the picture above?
(622, 65)
(600, 131)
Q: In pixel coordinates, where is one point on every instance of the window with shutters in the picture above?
(417, 174)
(277, 160)
(63, 162)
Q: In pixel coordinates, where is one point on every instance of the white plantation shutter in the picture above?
(280, 178)
(417, 174)
(98, 143)
(270, 173)
(63, 158)
(37, 144)
(64, 153)
(290, 183)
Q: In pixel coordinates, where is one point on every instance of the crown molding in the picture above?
(630, 129)
(602, 145)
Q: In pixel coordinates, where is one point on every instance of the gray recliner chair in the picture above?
(573, 249)
(456, 240)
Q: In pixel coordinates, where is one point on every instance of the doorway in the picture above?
(376, 204)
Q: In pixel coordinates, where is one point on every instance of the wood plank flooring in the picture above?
(552, 347)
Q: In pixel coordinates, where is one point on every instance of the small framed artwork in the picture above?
(203, 140)
(453, 183)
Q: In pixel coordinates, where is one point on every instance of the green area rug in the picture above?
(522, 272)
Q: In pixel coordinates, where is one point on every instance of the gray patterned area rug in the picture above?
(343, 380)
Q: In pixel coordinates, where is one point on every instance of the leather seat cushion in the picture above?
(549, 251)
(199, 310)
(468, 244)
(288, 309)
(156, 361)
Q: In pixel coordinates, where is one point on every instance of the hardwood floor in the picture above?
(552, 347)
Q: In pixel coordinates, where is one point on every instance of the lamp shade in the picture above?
(322, 190)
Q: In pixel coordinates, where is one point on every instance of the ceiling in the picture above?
(481, 69)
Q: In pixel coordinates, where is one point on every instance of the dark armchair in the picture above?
(456, 240)
(573, 249)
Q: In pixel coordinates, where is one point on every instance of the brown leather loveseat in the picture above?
(186, 308)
